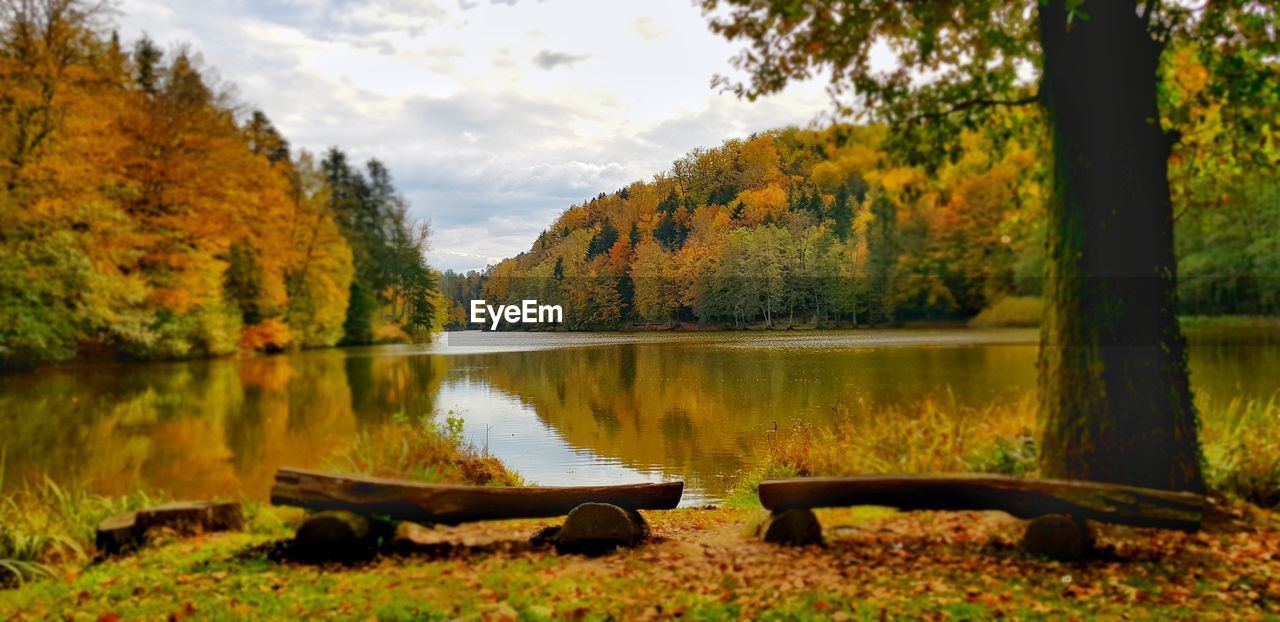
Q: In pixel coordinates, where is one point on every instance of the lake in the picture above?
(558, 408)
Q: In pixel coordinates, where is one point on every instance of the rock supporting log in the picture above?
(129, 531)
(1058, 537)
(795, 527)
(441, 504)
(334, 535)
(1024, 498)
(596, 528)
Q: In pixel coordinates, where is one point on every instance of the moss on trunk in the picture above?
(1115, 400)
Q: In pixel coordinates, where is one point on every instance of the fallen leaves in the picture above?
(918, 565)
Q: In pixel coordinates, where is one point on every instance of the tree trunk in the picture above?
(1115, 403)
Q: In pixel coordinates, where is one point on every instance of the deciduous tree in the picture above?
(1115, 399)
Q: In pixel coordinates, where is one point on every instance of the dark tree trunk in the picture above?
(1115, 403)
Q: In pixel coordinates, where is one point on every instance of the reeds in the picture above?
(1241, 440)
(43, 525)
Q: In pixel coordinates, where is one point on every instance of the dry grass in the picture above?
(1242, 448)
(44, 525)
(421, 449)
(1241, 440)
(1011, 311)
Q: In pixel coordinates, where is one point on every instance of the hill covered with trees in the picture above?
(841, 226)
(145, 212)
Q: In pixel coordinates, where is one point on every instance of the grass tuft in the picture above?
(44, 525)
(1011, 311)
(420, 449)
(1242, 448)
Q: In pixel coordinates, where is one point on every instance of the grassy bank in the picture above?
(1027, 311)
(1010, 311)
(1229, 321)
(47, 530)
(1241, 441)
(701, 563)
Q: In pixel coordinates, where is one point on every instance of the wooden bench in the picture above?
(452, 504)
(1054, 505)
(599, 517)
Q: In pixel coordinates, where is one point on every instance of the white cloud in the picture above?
(647, 28)
(493, 115)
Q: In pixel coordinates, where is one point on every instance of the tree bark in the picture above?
(1115, 403)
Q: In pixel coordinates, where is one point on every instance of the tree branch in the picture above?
(975, 103)
(1182, 212)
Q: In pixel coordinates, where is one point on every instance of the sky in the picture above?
(494, 116)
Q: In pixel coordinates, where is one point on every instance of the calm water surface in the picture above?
(559, 409)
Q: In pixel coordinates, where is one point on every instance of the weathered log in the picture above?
(1021, 497)
(128, 531)
(450, 505)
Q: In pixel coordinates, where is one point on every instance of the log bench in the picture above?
(599, 517)
(1059, 510)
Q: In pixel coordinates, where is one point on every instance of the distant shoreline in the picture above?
(105, 356)
(1186, 321)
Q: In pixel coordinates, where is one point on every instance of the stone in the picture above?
(334, 535)
(597, 528)
(126, 532)
(441, 541)
(796, 527)
(409, 536)
(1058, 537)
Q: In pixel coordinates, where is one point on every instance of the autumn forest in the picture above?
(148, 214)
(940, 310)
(145, 213)
(842, 226)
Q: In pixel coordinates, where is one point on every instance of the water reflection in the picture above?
(696, 410)
(558, 409)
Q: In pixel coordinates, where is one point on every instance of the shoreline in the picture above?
(105, 356)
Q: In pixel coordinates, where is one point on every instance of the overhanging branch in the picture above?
(975, 103)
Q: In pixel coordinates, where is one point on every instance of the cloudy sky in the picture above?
(493, 115)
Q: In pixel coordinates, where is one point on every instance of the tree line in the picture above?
(835, 227)
(145, 213)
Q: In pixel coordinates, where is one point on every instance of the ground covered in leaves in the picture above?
(701, 565)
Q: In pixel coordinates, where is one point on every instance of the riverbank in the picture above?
(666, 396)
(1021, 314)
(558, 408)
(700, 563)
(1012, 312)
(47, 530)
